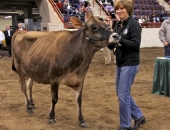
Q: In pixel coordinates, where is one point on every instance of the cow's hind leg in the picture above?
(23, 88)
(29, 87)
(54, 94)
(78, 94)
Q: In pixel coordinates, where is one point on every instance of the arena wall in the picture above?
(150, 38)
(4, 22)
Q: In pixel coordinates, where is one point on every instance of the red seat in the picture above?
(152, 24)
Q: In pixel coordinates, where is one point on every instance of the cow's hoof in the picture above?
(52, 121)
(30, 111)
(84, 125)
(33, 107)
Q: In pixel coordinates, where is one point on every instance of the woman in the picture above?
(141, 19)
(146, 19)
(127, 61)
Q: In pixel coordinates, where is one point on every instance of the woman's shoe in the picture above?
(140, 121)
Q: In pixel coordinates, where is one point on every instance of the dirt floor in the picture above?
(100, 103)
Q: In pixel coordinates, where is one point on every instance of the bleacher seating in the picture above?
(141, 8)
(147, 8)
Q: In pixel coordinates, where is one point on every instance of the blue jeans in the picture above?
(128, 109)
(167, 50)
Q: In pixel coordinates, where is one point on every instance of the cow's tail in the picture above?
(13, 53)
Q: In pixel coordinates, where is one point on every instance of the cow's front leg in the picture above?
(78, 94)
(54, 94)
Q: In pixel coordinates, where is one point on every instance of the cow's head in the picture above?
(96, 31)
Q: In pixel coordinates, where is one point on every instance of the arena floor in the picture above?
(100, 103)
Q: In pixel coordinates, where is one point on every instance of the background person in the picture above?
(115, 19)
(164, 36)
(8, 36)
(45, 29)
(60, 5)
(2, 37)
(20, 28)
(163, 15)
(141, 19)
(127, 64)
(88, 8)
(146, 19)
(109, 7)
(106, 50)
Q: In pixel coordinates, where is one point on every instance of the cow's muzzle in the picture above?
(115, 36)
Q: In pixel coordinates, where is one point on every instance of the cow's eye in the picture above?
(94, 27)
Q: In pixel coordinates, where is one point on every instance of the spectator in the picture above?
(60, 5)
(67, 8)
(103, 1)
(155, 17)
(65, 4)
(146, 19)
(89, 8)
(106, 50)
(109, 21)
(86, 3)
(8, 37)
(115, 20)
(75, 13)
(109, 7)
(82, 7)
(20, 28)
(111, 2)
(2, 37)
(163, 16)
(75, 3)
(82, 1)
(45, 29)
(141, 19)
(164, 36)
(81, 14)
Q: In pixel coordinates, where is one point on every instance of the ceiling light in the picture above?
(7, 17)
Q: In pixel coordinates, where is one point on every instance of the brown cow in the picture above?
(61, 57)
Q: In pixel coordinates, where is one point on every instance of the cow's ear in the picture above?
(76, 22)
(88, 14)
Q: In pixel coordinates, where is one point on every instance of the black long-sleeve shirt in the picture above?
(130, 40)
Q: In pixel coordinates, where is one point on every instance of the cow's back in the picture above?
(39, 51)
(39, 42)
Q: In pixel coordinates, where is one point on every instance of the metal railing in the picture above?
(56, 9)
(101, 7)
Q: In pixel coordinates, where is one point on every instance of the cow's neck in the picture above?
(85, 45)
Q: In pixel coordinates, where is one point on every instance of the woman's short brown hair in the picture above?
(128, 4)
